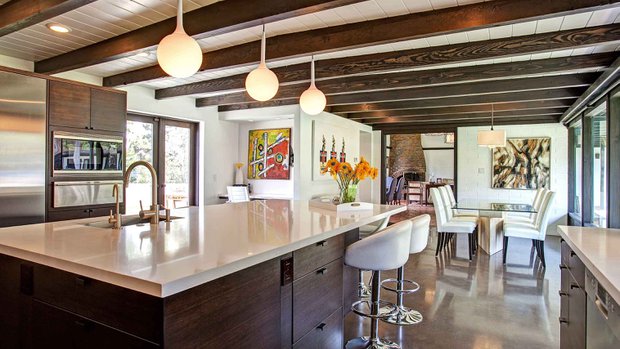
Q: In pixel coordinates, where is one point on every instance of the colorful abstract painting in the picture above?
(268, 154)
(524, 163)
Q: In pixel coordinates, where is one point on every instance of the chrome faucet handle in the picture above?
(141, 208)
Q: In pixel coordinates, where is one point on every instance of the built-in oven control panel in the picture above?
(85, 193)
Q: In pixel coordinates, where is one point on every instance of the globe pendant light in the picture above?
(312, 101)
(492, 138)
(262, 84)
(178, 54)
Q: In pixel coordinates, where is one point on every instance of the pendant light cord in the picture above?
(312, 72)
(263, 43)
(179, 17)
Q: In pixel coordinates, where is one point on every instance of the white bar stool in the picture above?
(419, 240)
(385, 250)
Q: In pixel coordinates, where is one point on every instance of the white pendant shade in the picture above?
(262, 84)
(178, 54)
(492, 138)
(312, 101)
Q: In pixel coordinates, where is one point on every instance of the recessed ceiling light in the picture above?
(59, 28)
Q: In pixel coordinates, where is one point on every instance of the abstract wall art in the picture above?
(332, 142)
(268, 154)
(524, 163)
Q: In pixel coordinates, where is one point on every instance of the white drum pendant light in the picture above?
(178, 54)
(492, 138)
(262, 84)
(312, 101)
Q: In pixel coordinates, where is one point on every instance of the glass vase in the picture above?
(348, 194)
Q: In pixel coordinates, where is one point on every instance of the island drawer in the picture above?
(571, 261)
(315, 297)
(130, 311)
(312, 257)
(326, 335)
(54, 327)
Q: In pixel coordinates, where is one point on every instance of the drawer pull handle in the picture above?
(321, 271)
(563, 266)
(563, 293)
(322, 243)
(81, 281)
(573, 285)
(563, 320)
(85, 325)
(572, 253)
(321, 326)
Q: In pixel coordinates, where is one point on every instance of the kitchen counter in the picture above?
(207, 243)
(599, 250)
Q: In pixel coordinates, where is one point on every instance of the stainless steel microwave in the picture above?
(81, 153)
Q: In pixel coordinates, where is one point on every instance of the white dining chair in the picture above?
(456, 212)
(448, 206)
(237, 194)
(446, 228)
(536, 231)
(516, 217)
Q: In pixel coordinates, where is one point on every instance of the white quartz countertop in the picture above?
(205, 244)
(599, 250)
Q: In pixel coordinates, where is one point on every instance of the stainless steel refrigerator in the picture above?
(22, 149)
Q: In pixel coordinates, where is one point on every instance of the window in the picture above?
(598, 161)
(169, 145)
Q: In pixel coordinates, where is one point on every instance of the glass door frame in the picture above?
(159, 139)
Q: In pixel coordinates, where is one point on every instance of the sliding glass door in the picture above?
(168, 145)
(598, 162)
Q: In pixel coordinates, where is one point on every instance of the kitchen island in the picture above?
(590, 287)
(261, 274)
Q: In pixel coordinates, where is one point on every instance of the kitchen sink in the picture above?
(127, 221)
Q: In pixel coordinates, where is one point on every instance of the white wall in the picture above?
(219, 144)
(439, 163)
(16, 63)
(474, 168)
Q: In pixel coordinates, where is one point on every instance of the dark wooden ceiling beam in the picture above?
(447, 126)
(463, 109)
(380, 31)
(215, 19)
(428, 56)
(435, 95)
(393, 81)
(20, 14)
(606, 81)
(255, 105)
(510, 97)
(485, 115)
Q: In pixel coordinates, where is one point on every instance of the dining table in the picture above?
(491, 217)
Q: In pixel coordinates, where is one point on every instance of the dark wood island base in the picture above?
(295, 301)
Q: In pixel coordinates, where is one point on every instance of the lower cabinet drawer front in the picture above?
(312, 257)
(576, 267)
(315, 297)
(326, 335)
(127, 310)
(56, 328)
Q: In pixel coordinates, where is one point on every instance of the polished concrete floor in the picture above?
(480, 304)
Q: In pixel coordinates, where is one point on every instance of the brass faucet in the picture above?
(116, 218)
(153, 213)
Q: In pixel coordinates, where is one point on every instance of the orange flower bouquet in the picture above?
(348, 177)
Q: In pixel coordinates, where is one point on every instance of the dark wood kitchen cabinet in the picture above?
(261, 306)
(572, 300)
(83, 107)
(69, 105)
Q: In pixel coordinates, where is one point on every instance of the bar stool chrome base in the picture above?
(366, 343)
(404, 317)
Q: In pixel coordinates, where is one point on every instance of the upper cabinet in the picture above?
(69, 105)
(80, 106)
